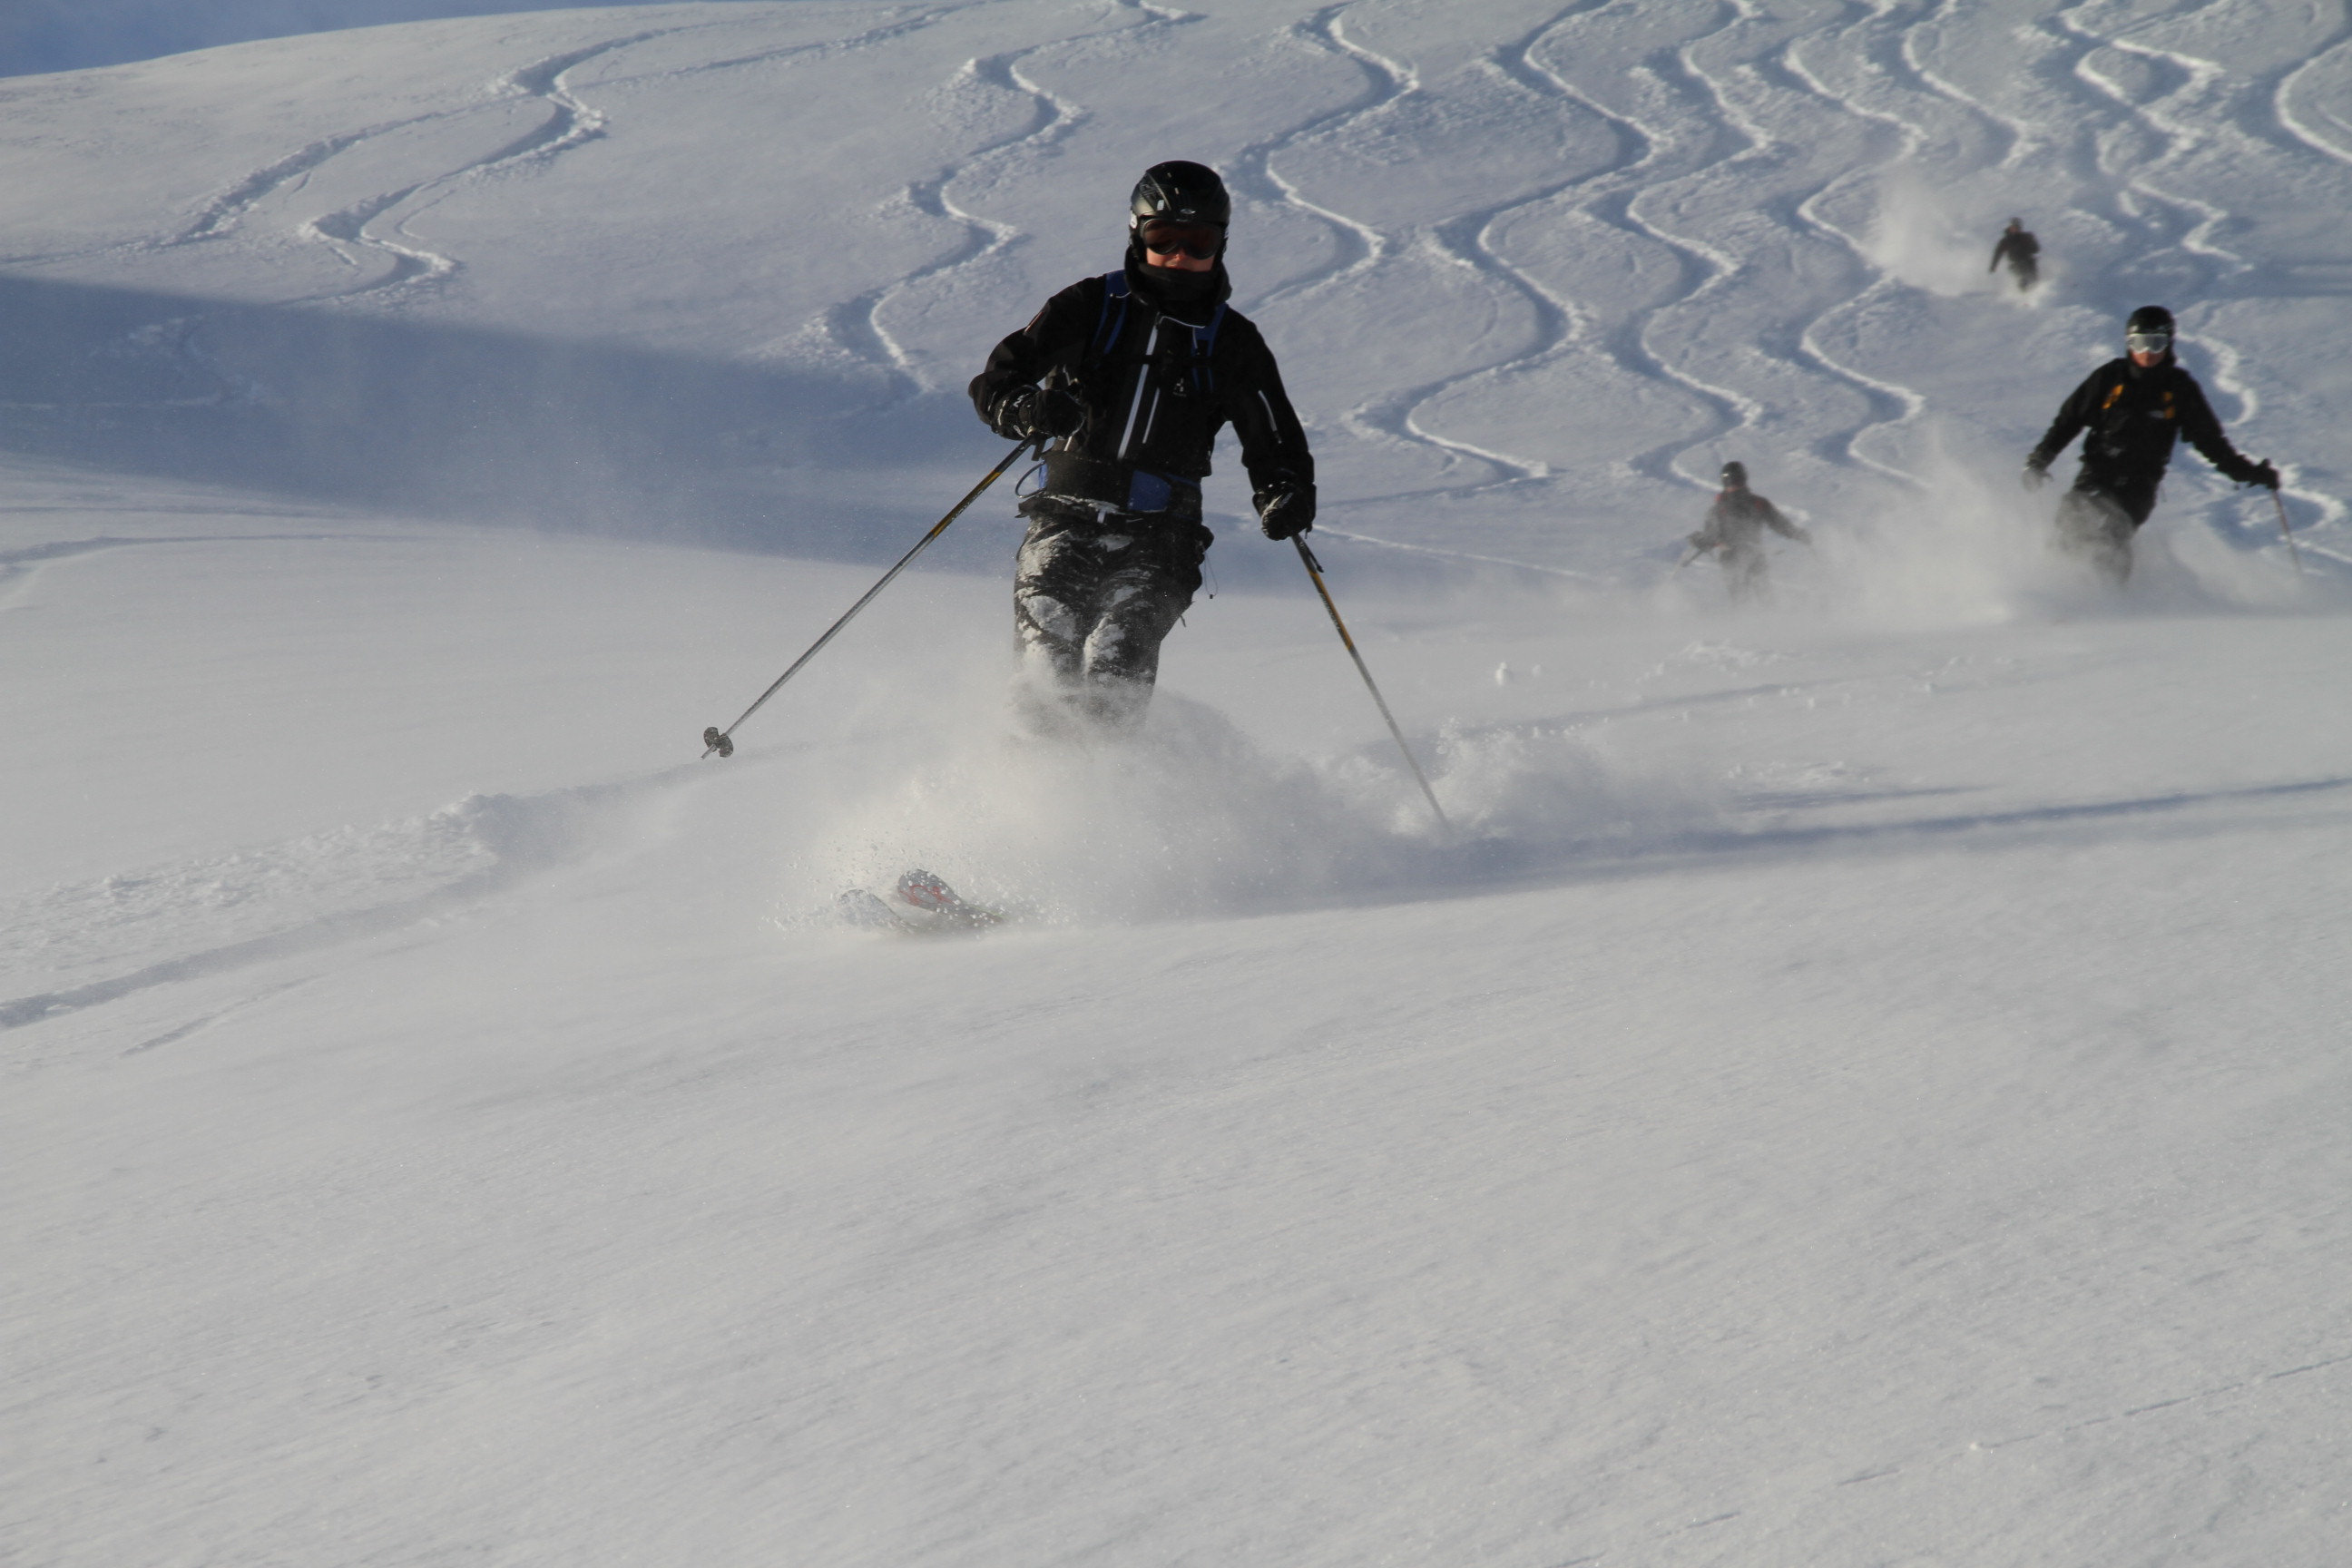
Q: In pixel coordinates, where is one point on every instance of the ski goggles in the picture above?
(1197, 240)
(2148, 342)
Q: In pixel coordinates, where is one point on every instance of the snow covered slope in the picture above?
(1865, 1085)
(724, 269)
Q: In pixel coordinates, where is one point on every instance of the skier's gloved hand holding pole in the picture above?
(2264, 474)
(1037, 414)
(1285, 508)
(2036, 474)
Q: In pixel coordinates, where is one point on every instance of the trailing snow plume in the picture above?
(1536, 793)
(2204, 562)
(1921, 237)
(1971, 546)
(1183, 816)
(1189, 817)
(1978, 548)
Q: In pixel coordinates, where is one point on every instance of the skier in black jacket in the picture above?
(2134, 408)
(2022, 252)
(1133, 376)
(1735, 526)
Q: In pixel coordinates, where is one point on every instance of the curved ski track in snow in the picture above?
(1362, 246)
(1872, 53)
(2176, 135)
(1713, 104)
(570, 124)
(1053, 119)
(1891, 402)
(2022, 135)
(2333, 60)
(855, 326)
(1459, 241)
(1668, 141)
(1466, 239)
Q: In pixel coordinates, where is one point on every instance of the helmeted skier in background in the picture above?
(1132, 374)
(2134, 408)
(2022, 251)
(1735, 531)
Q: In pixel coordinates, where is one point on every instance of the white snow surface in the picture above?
(1866, 1082)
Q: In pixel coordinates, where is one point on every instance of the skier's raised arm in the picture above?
(1779, 524)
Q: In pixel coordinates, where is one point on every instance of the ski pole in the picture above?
(1315, 573)
(2292, 554)
(720, 741)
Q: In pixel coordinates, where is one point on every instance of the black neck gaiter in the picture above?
(1174, 287)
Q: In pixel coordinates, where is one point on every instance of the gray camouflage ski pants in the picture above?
(1093, 598)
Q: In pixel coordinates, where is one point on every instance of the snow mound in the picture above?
(80, 943)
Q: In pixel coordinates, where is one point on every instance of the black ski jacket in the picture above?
(2134, 416)
(2019, 248)
(1737, 521)
(1157, 380)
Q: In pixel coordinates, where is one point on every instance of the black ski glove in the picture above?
(2036, 475)
(2260, 474)
(1036, 414)
(1286, 509)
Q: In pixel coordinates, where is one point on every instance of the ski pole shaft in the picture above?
(2292, 554)
(1315, 575)
(722, 742)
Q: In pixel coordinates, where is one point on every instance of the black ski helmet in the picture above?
(2150, 318)
(1188, 192)
(1735, 476)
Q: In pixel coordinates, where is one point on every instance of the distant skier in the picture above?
(1132, 374)
(2134, 408)
(1735, 531)
(2022, 251)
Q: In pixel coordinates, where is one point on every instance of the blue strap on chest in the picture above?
(1110, 324)
(1107, 326)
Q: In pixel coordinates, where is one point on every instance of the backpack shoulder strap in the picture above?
(1110, 324)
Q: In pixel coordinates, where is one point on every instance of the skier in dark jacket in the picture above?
(1735, 528)
(2134, 408)
(1132, 374)
(2022, 251)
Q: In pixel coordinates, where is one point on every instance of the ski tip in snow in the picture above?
(922, 903)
